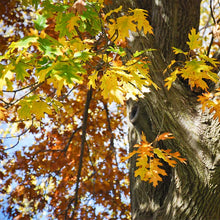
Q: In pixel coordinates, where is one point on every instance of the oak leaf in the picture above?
(194, 41)
(39, 108)
(149, 167)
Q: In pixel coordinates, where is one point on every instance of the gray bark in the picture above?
(190, 191)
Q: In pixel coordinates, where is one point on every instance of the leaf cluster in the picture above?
(197, 67)
(148, 163)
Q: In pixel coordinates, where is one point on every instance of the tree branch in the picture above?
(212, 13)
(18, 90)
(18, 137)
(60, 150)
(109, 126)
(114, 151)
(30, 91)
(83, 139)
(70, 139)
(213, 18)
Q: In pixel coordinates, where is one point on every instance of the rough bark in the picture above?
(190, 191)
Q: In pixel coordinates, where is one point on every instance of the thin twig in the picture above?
(60, 150)
(9, 148)
(113, 150)
(210, 45)
(6, 103)
(109, 126)
(213, 18)
(212, 13)
(47, 150)
(66, 95)
(18, 137)
(70, 139)
(30, 91)
(18, 90)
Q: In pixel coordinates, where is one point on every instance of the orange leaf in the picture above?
(165, 136)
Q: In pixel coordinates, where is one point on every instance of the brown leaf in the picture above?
(78, 7)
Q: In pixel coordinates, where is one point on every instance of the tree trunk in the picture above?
(192, 190)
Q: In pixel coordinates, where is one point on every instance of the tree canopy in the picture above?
(66, 72)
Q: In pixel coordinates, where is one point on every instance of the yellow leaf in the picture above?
(2, 113)
(111, 89)
(140, 16)
(39, 108)
(6, 74)
(169, 66)
(58, 83)
(141, 171)
(160, 153)
(196, 71)
(178, 51)
(92, 78)
(113, 11)
(194, 41)
(42, 73)
(24, 112)
(149, 171)
(213, 61)
(124, 25)
(72, 23)
(169, 80)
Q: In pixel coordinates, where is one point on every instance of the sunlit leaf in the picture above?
(39, 108)
(40, 22)
(194, 41)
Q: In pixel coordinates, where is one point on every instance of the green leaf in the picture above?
(9, 84)
(33, 105)
(40, 22)
(138, 53)
(83, 55)
(61, 24)
(35, 3)
(48, 47)
(119, 50)
(21, 71)
(91, 16)
(24, 112)
(69, 71)
(50, 7)
(23, 43)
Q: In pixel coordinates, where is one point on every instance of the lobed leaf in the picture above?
(194, 42)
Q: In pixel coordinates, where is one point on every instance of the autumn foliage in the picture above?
(63, 87)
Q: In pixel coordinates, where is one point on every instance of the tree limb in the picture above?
(83, 139)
